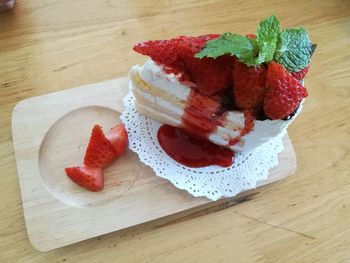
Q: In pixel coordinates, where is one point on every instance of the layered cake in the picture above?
(233, 91)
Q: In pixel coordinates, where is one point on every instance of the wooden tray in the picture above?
(51, 132)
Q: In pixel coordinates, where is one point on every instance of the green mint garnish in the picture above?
(290, 47)
(266, 36)
(244, 48)
(294, 49)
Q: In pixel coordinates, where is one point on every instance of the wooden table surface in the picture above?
(47, 46)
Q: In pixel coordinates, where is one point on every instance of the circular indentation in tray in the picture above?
(64, 145)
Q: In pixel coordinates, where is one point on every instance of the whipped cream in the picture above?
(154, 75)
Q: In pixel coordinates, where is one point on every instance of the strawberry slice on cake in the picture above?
(235, 91)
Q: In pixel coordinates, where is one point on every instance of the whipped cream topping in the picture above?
(154, 75)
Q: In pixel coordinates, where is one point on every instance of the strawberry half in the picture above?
(164, 52)
(89, 178)
(284, 92)
(300, 75)
(212, 76)
(118, 137)
(100, 151)
(249, 85)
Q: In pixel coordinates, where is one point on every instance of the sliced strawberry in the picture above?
(284, 92)
(301, 73)
(249, 85)
(100, 151)
(89, 178)
(189, 46)
(212, 76)
(118, 137)
(164, 52)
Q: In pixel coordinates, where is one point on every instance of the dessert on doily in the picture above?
(237, 92)
(208, 113)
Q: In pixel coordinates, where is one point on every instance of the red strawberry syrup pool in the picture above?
(192, 151)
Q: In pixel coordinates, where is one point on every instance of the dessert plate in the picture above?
(51, 132)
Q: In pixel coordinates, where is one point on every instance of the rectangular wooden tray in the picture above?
(51, 131)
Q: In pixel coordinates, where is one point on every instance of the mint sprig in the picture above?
(294, 49)
(290, 47)
(244, 48)
(267, 34)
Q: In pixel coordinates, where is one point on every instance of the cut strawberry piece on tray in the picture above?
(89, 178)
(118, 137)
(249, 85)
(284, 92)
(100, 151)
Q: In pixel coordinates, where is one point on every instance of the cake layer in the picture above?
(163, 98)
(169, 108)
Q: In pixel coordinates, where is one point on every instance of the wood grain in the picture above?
(58, 212)
(52, 45)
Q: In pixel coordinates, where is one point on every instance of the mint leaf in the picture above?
(267, 34)
(244, 48)
(290, 47)
(294, 49)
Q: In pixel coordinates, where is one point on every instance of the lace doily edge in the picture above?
(216, 196)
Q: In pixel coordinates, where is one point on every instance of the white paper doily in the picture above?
(213, 182)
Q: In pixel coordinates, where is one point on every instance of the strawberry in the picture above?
(301, 73)
(283, 92)
(164, 52)
(251, 36)
(189, 46)
(212, 76)
(118, 138)
(89, 178)
(100, 151)
(249, 85)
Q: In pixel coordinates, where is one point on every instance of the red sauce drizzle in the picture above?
(189, 144)
(201, 115)
(192, 151)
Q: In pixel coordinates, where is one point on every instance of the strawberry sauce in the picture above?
(189, 144)
(192, 151)
(201, 115)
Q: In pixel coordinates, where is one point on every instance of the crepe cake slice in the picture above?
(162, 97)
(236, 91)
